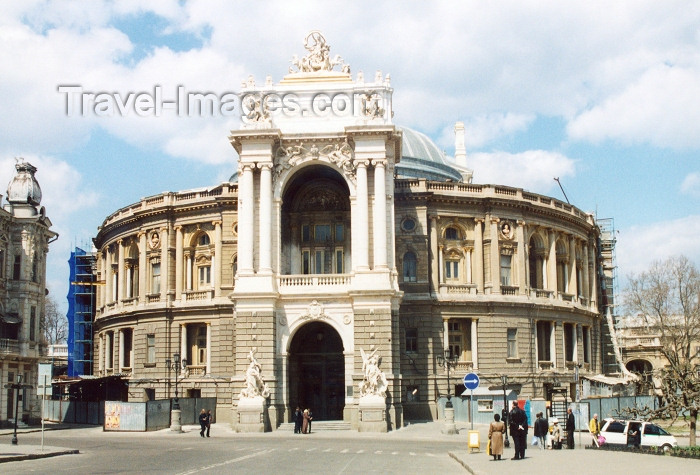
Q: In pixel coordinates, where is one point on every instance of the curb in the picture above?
(18, 458)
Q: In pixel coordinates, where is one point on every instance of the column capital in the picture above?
(362, 163)
(379, 162)
(216, 222)
(478, 220)
(495, 220)
(433, 217)
(520, 222)
(265, 166)
(141, 233)
(178, 227)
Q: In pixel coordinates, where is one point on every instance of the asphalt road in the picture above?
(163, 452)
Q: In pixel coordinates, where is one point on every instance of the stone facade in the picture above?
(323, 245)
(25, 235)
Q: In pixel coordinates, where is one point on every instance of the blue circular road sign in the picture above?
(471, 381)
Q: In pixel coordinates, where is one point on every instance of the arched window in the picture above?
(536, 262)
(452, 233)
(203, 240)
(409, 267)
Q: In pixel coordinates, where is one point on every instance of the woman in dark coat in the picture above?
(496, 430)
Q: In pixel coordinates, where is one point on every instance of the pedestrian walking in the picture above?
(570, 428)
(297, 418)
(496, 431)
(305, 422)
(209, 421)
(202, 421)
(311, 418)
(518, 430)
(594, 429)
(541, 430)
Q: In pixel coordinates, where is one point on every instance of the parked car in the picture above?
(616, 432)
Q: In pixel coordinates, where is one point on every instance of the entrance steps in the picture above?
(318, 426)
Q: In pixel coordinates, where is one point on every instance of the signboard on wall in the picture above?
(43, 385)
(125, 416)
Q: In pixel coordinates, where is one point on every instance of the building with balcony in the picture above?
(25, 234)
(339, 234)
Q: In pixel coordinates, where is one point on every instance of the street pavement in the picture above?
(467, 460)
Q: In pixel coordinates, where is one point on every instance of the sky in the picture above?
(603, 95)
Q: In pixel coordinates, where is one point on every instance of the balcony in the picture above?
(457, 290)
(8, 347)
(509, 289)
(301, 283)
(197, 295)
(546, 365)
(196, 370)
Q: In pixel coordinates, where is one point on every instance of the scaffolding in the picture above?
(607, 276)
(81, 312)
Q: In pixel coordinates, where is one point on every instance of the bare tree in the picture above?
(54, 325)
(666, 298)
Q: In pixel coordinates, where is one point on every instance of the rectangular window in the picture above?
(452, 270)
(32, 324)
(17, 267)
(505, 269)
(512, 343)
(339, 233)
(544, 339)
(155, 278)
(305, 233)
(318, 262)
(339, 261)
(322, 232)
(570, 342)
(457, 338)
(412, 340)
(204, 276)
(485, 405)
(305, 262)
(151, 348)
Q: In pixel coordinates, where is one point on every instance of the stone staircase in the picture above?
(318, 426)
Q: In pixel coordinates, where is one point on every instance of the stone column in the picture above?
(108, 276)
(495, 257)
(553, 345)
(108, 351)
(121, 350)
(475, 344)
(183, 345)
(208, 371)
(361, 225)
(585, 275)
(552, 263)
(441, 265)
(521, 261)
(468, 265)
(164, 267)
(265, 218)
(179, 275)
(218, 262)
(572, 267)
(246, 216)
(143, 249)
(434, 268)
(479, 255)
(379, 213)
(120, 271)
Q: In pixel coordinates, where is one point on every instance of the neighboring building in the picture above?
(81, 312)
(25, 234)
(342, 232)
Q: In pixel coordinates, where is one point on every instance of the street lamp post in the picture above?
(16, 386)
(504, 380)
(175, 415)
(447, 360)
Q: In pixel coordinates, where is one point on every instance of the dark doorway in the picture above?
(317, 371)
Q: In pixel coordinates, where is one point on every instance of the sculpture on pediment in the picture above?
(256, 110)
(318, 58)
(374, 382)
(254, 384)
(340, 154)
(371, 105)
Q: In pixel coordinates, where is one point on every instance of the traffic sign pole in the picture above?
(471, 382)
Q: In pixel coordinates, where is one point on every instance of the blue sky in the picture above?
(605, 96)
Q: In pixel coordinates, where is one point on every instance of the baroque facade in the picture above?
(25, 235)
(342, 235)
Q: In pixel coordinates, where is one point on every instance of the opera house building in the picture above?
(346, 256)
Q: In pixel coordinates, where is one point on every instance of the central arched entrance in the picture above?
(317, 371)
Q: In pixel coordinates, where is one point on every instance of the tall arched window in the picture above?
(536, 261)
(452, 233)
(409, 267)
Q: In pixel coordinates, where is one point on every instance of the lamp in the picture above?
(176, 364)
(447, 359)
(504, 381)
(16, 386)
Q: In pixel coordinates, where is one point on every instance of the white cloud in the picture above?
(661, 108)
(532, 170)
(640, 245)
(691, 185)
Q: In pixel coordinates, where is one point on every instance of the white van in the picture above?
(615, 432)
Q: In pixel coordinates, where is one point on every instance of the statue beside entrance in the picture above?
(252, 400)
(372, 395)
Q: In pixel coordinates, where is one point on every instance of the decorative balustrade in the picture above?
(194, 295)
(8, 346)
(311, 280)
(196, 370)
(153, 298)
(509, 289)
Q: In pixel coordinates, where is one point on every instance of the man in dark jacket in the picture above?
(203, 421)
(541, 430)
(297, 418)
(570, 427)
(518, 430)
